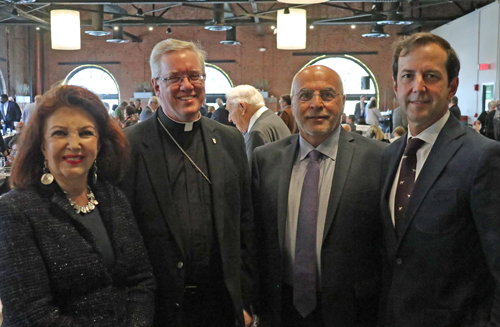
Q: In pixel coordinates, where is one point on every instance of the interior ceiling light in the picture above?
(65, 29)
(376, 31)
(20, 1)
(150, 28)
(353, 26)
(169, 30)
(302, 2)
(230, 37)
(292, 29)
(117, 36)
(140, 12)
(286, 11)
(217, 23)
(14, 12)
(97, 22)
(262, 49)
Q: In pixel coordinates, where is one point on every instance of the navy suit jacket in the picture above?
(350, 254)
(13, 114)
(445, 268)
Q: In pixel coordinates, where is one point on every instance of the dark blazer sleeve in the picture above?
(25, 288)
(254, 139)
(139, 279)
(485, 205)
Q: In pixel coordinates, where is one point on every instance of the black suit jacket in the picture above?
(147, 187)
(444, 270)
(13, 114)
(222, 116)
(51, 268)
(350, 255)
(360, 107)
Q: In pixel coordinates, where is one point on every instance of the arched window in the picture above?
(352, 71)
(217, 84)
(98, 80)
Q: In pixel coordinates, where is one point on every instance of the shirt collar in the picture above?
(256, 116)
(328, 148)
(430, 134)
(177, 126)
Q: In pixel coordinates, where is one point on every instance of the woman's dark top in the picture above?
(52, 271)
(93, 222)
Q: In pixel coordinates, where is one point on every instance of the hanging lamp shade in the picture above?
(302, 2)
(65, 29)
(292, 29)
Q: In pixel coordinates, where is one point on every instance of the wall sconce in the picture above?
(65, 29)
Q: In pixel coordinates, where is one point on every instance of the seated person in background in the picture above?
(131, 116)
(150, 109)
(374, 132)
(350, 120)
(373, 113)
(398, 132)
(70, 251)
(9, 140)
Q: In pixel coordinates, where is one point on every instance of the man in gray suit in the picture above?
(248, 112)
(399, 118)
(328, 232)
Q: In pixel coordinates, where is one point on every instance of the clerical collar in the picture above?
(177, 127)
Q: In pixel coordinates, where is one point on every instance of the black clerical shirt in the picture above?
(193, 199)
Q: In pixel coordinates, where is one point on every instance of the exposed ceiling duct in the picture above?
(218, 23)
(394, 15)
(97, 22)
(231, 37)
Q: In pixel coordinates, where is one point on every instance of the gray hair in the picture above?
(245, 93)
(153, 99)
(170, 45)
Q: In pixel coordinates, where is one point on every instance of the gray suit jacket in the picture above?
(399, 118)
(268, 128)
(350, 254)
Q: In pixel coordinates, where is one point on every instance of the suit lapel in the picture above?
(216, 168)
(287, 161)
(447, 144)
(154, 161)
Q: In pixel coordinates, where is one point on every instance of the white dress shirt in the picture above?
(429, 135)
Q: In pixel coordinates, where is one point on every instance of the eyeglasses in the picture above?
(194, 79)
(325, 95)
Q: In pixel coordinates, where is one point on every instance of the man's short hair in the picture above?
(137, 100)
(399, 131)
(153, 99)
(170, 45)
(406, 44)
(218, 101)
(352, 117)
(454, 100)
(4, 96)
(244, 93)
(491, 104)
(362, 96)
(287, 99)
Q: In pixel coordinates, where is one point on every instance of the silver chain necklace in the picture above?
(184, 152)
(90, 206)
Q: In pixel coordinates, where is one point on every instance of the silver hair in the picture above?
(170, 45)
(245, 93)
(153, 99)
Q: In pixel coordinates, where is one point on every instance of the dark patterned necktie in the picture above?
(304, 268)
(405, 182)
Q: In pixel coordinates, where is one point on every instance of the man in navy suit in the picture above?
(442, 246)
(10, 112)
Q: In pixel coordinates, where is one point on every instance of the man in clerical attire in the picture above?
(188, 186)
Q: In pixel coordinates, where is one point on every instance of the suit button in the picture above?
(399, 261)
(177, 305)
(278, 286)
(180, 264)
